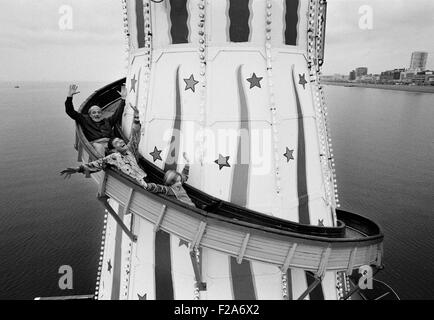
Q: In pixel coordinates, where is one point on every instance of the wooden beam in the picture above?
(323, 262)
(289, 257)
(351, 261)
(118, 219)
(310, 288)
(128, 202)
(243, 248)
(160, 218)
(197, 271)
(198, 236)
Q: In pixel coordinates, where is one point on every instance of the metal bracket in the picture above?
(310, 288)
(115, 216)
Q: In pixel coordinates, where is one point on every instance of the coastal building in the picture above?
(391, 76)
(418, 60)
(352, 75)
(424, 78)
(361, 71)
(335, 78)
(407, 76)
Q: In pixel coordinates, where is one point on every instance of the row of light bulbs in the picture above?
(202, 81)
(101, 256)
(327, 159)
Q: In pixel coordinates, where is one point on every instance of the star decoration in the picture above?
(321, 222)
(289, 154)
(222, 161)
(133, 84)
(109, 266)
(254, 81)
(156, 154)
(182, 243)
(302, 80)
(190, 83)
(144, 297)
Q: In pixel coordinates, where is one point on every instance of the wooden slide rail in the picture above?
(240, 239)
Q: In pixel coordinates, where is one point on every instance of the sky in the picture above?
(33, 46)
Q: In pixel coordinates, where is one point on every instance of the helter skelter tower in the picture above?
(235, 85)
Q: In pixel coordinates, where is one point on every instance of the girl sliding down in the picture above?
(173, 184)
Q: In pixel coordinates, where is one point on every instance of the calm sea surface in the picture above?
(383, 144)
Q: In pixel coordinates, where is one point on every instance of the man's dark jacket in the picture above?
(91, 129)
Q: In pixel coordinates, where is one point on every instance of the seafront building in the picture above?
(361, 71)
(418, 61)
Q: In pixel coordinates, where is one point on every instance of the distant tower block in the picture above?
(418, 60)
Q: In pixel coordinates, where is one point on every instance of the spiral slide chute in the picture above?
(234, 84)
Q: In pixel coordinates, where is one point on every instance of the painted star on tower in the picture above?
(109, 266)
(222, 161)
(289, 154)
(156, 154)
(302, 80)
(133, 84)
(190, 83)
(255, 81)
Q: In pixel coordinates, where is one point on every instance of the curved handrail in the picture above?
(254, 236)
(108, 94)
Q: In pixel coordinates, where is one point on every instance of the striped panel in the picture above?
(142, 279)
(106, 278)
(163, 262)
(218, 22)
(257, 21)
(216, 268)
(132, 25)
(160, 25)
(172, 156)
(268, 281)
(140, 24)
(117, 260)
(239, 19)
(182, 270)
(179, 21)
(242, 281)
(303, 198)
(291, 22)
(193, 21)
(163, 267)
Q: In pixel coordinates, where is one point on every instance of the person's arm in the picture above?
(99, 164)
(117, 115)
(90, 167)
(159, 188)
(133, 144)
(186, 171)
(69, 106)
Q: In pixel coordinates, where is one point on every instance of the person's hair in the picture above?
(110, 145)
(88, 111)
(170, 177)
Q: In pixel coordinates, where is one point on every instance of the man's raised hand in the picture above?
(123, 92)
(73, 90)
